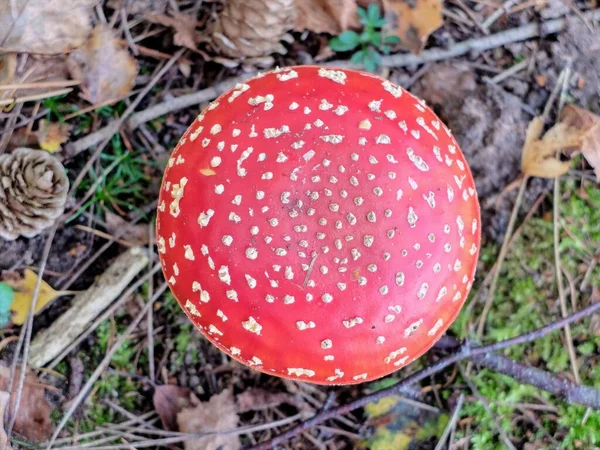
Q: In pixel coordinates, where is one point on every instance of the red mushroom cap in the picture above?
(320, 225)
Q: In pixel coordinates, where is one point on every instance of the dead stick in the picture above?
(571, 392)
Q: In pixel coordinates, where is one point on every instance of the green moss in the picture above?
(526, 298)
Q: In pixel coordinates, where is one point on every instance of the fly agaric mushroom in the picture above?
(319, 225)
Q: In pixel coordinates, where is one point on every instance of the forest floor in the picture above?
(162, 372)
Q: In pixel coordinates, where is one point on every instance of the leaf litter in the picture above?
(44, 26)
(219, 413)
(33, 417)
(104, 66)
(413, 21)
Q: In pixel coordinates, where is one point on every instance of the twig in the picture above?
(182, 437)
(487, 23)
(556, 241)
(451, 423)
(102, 366)
(40, 85)
(501, 257)
(584, 395)
(25, 337)
(30, 98)
(150, 318)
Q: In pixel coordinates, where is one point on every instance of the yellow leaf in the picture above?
(52, 135)
(538, 157)
(413, 21)
(24, 293)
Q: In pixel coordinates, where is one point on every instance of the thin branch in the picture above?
(573, 393)
(451, 423)
(25, 336)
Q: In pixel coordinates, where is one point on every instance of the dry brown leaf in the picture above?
(183, 24)
(216, 414)
(44, 26)
(326, 16)
(51, 135)
(33, 418)
(136, 234)
(538, 158)
(413, 21)
(169, 400)
(104, 65)
(4, 399)
(589, 124)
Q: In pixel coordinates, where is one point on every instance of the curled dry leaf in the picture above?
(413, 21)
(51, 135)
(104, 65)
(23, 294)
(8, 67)
(538, 158)
(216, 414)
(136, 234)
(168, 401)
(326, 16)
(184, 26)
(589, 124)
(33, 417)
(44, 26)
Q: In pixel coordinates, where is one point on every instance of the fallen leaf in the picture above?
(7, 297)
(33, 417)
(168, 401)
(400, 426)
(326, 16)
(51, 135)
(183, 24)
(23, 293)
(413, 21)
(538, 157)
(104, 65)
(589, 124)
(136, 234)
(4, 399)
(216, 414)
(44, 26)
(258, 399)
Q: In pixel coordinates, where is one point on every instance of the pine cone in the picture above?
(253, 28)
(33, 192)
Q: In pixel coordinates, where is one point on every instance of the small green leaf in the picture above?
(376, 39)
(369, 64)
(373, 13)
(337, 45)
(358, 57)
(7, 296)
(392, 39)
(364, 19)
(349, 37)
